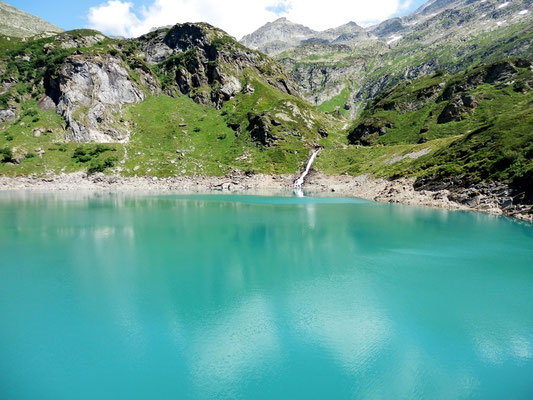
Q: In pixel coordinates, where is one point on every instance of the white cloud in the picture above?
(237, 17)
(115, 18)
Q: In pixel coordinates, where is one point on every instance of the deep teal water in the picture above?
(227, 297)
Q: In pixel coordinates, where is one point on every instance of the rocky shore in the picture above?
(489, 198)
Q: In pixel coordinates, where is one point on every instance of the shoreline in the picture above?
(487, 199)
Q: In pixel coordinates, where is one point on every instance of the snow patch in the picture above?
(500, 23)
(504, 4)
(523, 12)
(394, 38)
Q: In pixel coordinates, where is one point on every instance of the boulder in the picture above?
(261, 129)
(7, 115)
(46, 103)
(368, 131)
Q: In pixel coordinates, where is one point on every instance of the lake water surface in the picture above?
(241, 297)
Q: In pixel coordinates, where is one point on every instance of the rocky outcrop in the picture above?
(89, 93)
(368, 131)
(205, 63)
(7, 115)
(75, 39)
(260, 127)
(457, 109)
(498, 197)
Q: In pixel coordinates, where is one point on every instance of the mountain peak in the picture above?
(277, 36)
(14, 22)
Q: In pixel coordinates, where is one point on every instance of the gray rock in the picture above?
(46, 103)
(91, 90)
(7, 115)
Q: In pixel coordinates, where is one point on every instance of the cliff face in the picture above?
(89, 93)
(204, 63)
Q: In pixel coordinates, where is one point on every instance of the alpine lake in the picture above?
(123, 296)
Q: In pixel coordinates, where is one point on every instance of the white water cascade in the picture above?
(300, 181)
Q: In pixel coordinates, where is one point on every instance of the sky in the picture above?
(132, 18)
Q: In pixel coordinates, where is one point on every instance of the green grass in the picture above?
(19, 138)
(336, 104)
(204, 146)
(375, 160)
(493, 142)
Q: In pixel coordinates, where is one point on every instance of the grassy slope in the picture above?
(159, 146)
(494, 142)
(203, 146)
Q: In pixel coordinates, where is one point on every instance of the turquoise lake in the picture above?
(243, 297)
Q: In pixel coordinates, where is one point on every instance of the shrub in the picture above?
(101, 165)
(6, 154)
(86, 153)
(81, 154)
(30, 112)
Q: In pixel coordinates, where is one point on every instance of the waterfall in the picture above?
(300, 181)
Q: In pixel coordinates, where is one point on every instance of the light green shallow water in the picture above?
(219, 297)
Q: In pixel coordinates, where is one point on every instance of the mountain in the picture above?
(340, 75)
(282, 34)
(442, 96)
(14, 22)
(182, 100)
(450, 131)
(277, 36)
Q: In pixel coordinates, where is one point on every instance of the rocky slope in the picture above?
(282, 34)
(206, 64)
(470, 134)
(14, 22)
(451, 35)
(191, 91)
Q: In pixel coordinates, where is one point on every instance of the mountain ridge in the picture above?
(14, 22)
(440, 35)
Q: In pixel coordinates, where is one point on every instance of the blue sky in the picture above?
(72, 14)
